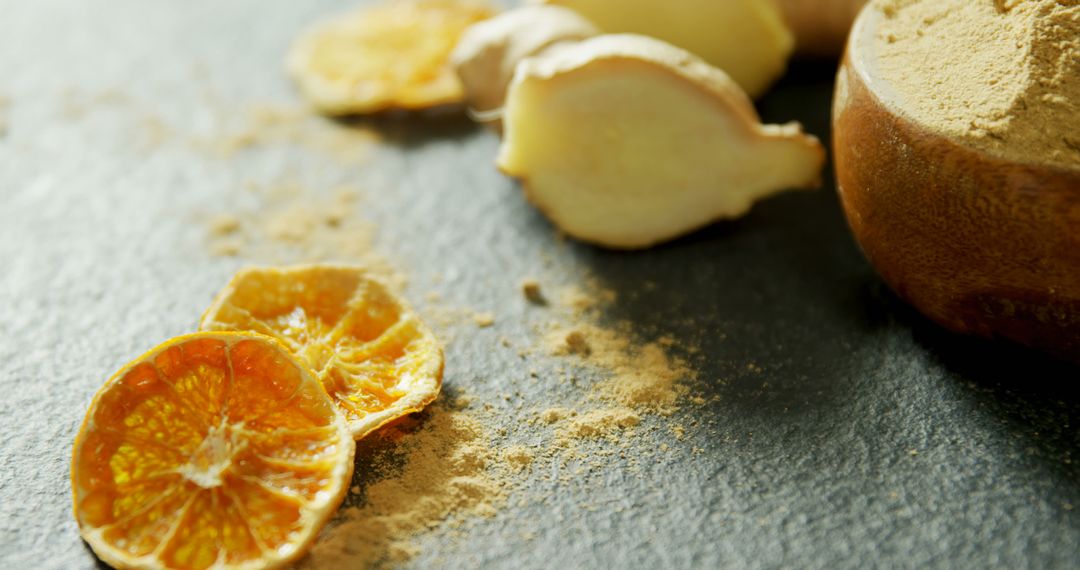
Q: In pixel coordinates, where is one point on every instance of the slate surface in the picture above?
(810, 463)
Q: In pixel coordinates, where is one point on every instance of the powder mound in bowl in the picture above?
(1003, 76)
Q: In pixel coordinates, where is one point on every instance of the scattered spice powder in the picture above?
(628, 380)
(235, 128)
(294, 225)
(641, 376)
(267, 125)
(607, 423)
(446, 320)
(518, 457)
(580, 303)
(223, 225)
(552, 415)
(574, 343)
(484, 320)
(530, 288)
(447, 475)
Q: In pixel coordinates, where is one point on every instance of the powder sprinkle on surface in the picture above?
(605, 423)
(530, 289)
(640, 375)
(438, 473)
(484, 320)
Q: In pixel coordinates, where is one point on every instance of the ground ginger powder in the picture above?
(448, 474)
(1002, 76)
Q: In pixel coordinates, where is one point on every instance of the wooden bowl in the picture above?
(980, 244)
(820, 26)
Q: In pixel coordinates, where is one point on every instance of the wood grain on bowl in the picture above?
(979, 244)
(820, 26)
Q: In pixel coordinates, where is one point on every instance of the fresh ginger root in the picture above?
(391, 56)
(748, 39)
(488, 52)
(626, 141)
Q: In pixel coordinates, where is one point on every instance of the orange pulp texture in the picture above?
(374, 356)
(211, 450)
(392, 56)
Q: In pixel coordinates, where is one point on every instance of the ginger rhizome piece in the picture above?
(626, 141)
(748, 39)
(488, 51)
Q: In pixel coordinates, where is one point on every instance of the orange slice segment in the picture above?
(392, 56)
(374, 356)
(213, 450)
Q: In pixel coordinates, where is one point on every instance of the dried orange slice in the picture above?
(213, 450)
(392, 56)
(374, 356)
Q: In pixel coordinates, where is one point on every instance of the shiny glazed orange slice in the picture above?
(374, 356)
(392, 56)
(213, 450)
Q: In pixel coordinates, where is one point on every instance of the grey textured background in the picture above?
(806, 464)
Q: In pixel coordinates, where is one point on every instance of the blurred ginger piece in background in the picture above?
(488, 52)
(821, 26)
(391, 56)
(748, 39)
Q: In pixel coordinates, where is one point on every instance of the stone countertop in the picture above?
(847, 431)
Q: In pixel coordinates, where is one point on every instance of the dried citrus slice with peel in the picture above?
(392, 56)
(213, 450)
(374, 356)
